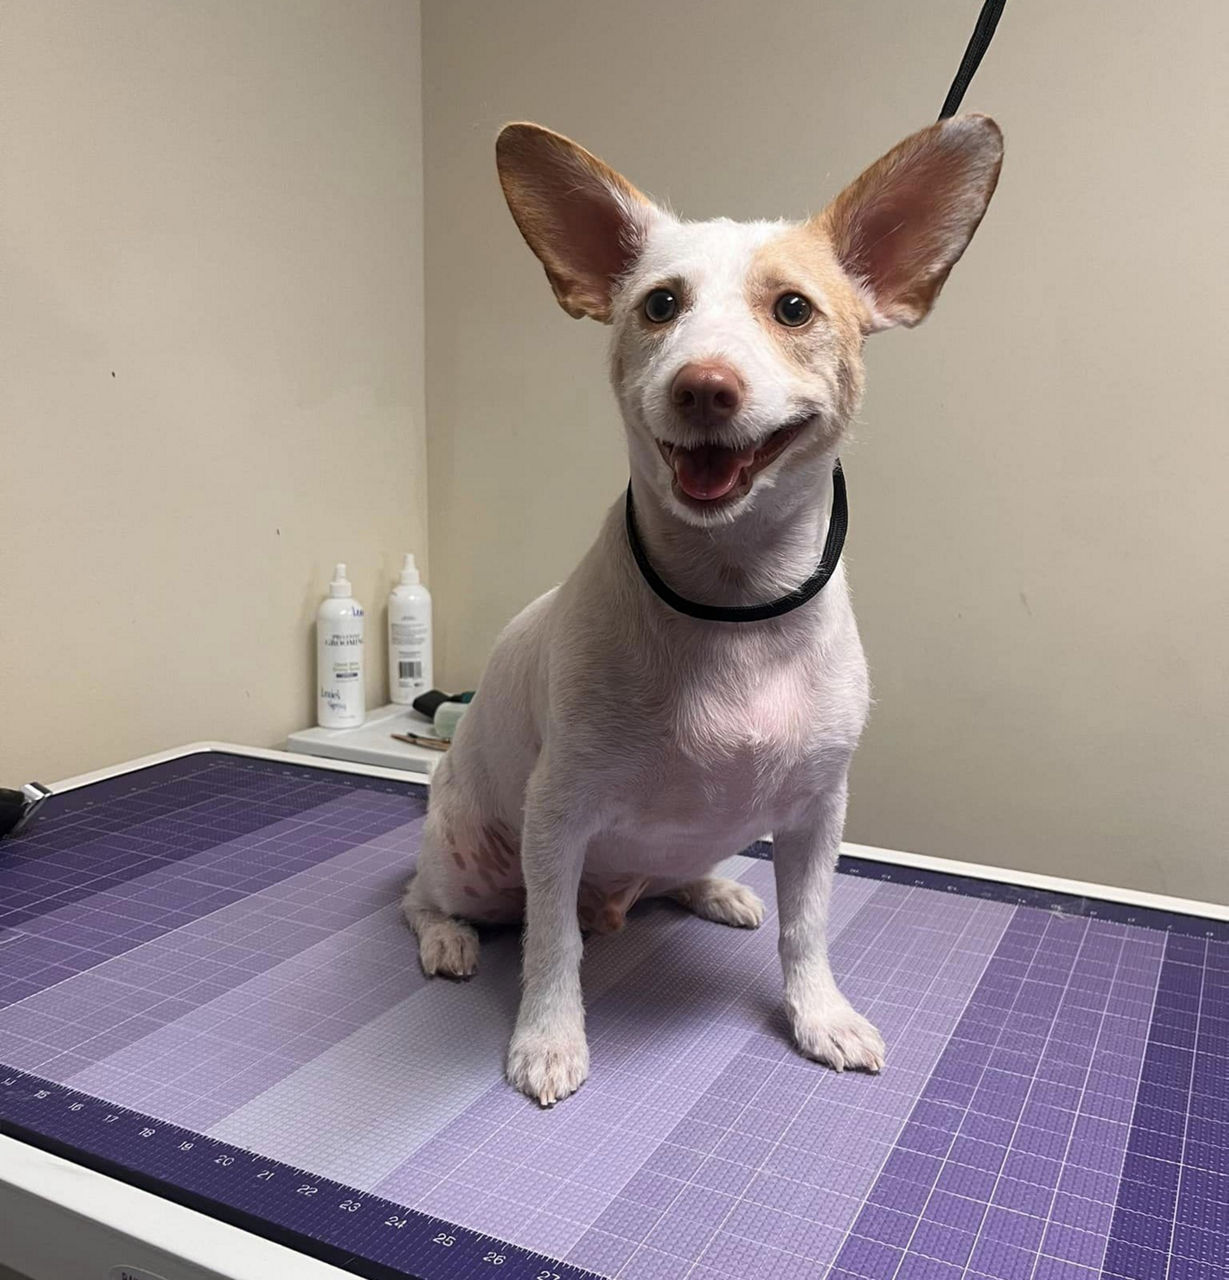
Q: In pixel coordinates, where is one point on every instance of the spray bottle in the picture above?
(409, 636)
(341, 701)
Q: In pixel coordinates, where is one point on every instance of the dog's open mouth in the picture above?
(712, 472)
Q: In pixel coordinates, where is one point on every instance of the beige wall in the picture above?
(1039, 519)
(210, 360)
(220, 206)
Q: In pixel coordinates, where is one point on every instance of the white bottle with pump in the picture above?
(409, 636)
(341, 698)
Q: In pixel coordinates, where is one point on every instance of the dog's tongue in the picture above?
(710, 471)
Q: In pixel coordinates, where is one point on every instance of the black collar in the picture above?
(838, 522)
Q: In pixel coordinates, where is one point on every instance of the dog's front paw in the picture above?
(547, 1066)
(837, 1034)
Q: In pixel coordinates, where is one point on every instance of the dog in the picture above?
(619, 747)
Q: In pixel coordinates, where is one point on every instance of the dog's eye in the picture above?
(792, 309)
(661, 305)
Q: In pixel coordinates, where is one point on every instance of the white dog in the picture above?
(620, 746)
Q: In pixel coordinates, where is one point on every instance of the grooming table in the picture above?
(207, 994)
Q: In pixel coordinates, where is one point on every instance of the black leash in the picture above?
(838, 521)
(979, 42)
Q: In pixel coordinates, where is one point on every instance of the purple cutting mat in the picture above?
(205, 987)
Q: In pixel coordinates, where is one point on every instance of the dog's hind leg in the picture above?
(447, 945)
(721, 900)
(468, 870)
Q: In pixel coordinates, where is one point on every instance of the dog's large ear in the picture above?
(585, 222)
(901, 227)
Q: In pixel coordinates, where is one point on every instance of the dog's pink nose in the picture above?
(706, 393)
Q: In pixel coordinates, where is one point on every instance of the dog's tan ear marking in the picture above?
(585, 222)
(901, 227)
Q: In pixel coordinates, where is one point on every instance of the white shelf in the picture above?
(372, 742)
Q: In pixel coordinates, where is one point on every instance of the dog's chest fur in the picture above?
(745, 728)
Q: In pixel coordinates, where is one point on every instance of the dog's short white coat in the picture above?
(619, 749)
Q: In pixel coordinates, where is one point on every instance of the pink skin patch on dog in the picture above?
(498, 848)
(603, 908)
